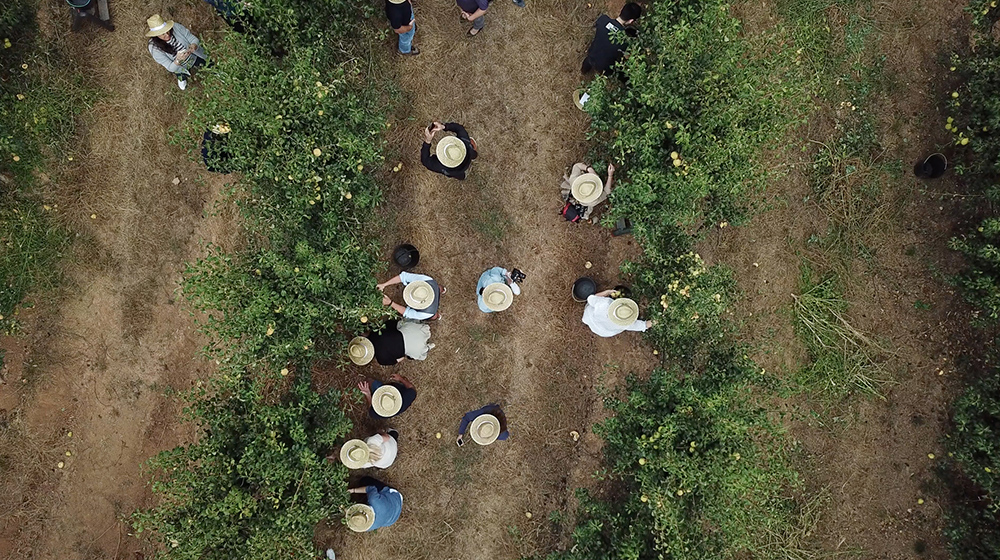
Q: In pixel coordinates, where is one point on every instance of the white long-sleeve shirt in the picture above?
(595, 316)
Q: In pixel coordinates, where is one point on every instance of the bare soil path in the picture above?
(511, 87)
(98, 356)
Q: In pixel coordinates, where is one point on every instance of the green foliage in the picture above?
(683, 451)
(697, 89)
(980, 281)
(40, 95)
(256, 482)
(305, 137)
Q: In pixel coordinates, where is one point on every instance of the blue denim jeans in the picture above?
(406, 39)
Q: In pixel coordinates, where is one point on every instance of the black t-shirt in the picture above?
(389, 347)
(606, 50)
(400, 15)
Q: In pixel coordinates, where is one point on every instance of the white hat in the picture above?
(450, 151)
(587, 188)
(623, 312)
(360, 517)
(157, 26)
(354, 453)
(498, 296)
(485, 429)
(418, 295)
(387, 400)
(360, 350)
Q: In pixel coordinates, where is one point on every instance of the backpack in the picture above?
(573, 212)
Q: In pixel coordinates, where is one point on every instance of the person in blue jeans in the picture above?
(380, 506)
(400, 14)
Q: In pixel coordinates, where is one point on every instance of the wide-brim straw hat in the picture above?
(587, 188)
(450, 151)
(498, 296)
(157, 26)
(623, 312)
(360, 517)
(577, 95)
(387, 400)
(397, 1)
(418, 295)
(485, 429)
(354, 454)
(360, 350)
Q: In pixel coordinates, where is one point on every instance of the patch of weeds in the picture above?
(492, 225)
(843, 360)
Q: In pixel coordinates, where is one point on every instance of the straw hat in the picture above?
(587, 188)
(450, 151)
(623, 312)
(359, 517)
(387, 400)
(579, 100)
(397, 1)
(354, 454)
(360, 350)
(485, 429)
(418, 295)
(157, 26)
(498, 296)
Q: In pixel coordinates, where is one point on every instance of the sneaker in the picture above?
(182, 84)
(431, 345)
(330, 554)
(519, 3)
(413, 52)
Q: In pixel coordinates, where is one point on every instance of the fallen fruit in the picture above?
(527, 514)
(575, 435)
(60, 464)
(438, 435)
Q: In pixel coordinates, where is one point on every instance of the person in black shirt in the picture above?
(609, 39)
(386, 400)
(453, 155)
(400, 14)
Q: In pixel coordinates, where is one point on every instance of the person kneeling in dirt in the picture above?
(453, 154)
(174, 47)
(489, 424)
(380, 506)
(607, 317)
(582, 190)
(398, 340)
(421, 294)
(386, 400)
(497, 287)
(377, 451)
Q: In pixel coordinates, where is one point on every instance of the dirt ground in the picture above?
(96, 358)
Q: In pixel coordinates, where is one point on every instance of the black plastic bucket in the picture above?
(931, 168)
(583, 288)
(406, 256)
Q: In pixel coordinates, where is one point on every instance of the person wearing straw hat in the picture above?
(421, 293)
(402, 21)
(174, 47)
(582, 190)
(497, 287)
(608, 317)
(378, 451)
(453, 154)
(399, 340)
(386, 400)
(380, 506)
(488, 424)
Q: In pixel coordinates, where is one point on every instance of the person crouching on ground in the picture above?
(398, 340)
(380, 506)
(497, 287)
(402, 21)
(582, 191)
(421, 294)
(377, 451)
(174, 47)
(453, 154)
(489, 424)
(386, 400)
(608, 45)
(607, 317)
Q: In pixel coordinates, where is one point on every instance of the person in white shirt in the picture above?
(378, 451)
(421, 293)
(607, 317)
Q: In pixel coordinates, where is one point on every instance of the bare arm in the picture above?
(394, 280)
(605, 293)
(406, 382)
